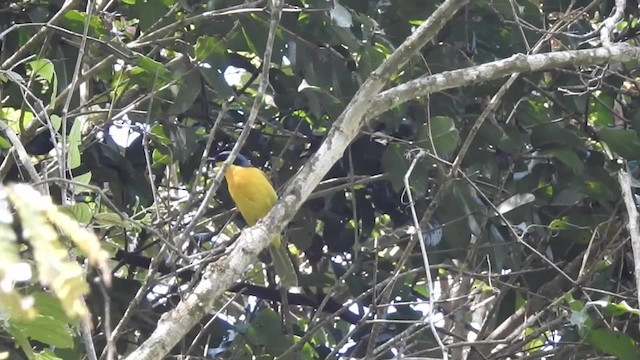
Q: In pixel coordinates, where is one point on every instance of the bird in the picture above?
(254, 196)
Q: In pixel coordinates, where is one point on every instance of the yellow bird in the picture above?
(254, 197)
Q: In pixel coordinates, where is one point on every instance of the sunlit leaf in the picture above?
(74, 140)
(514, 202)
(601, 106)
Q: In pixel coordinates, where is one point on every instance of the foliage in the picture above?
(532, 226)
(31, 313)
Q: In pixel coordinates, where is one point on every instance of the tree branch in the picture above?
(633, 221)
(20, 151)
(496, 69)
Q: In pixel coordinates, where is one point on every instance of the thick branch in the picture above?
(518, 63)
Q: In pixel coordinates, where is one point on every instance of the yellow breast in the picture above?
(251, 191)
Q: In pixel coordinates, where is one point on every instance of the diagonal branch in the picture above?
(20, 151)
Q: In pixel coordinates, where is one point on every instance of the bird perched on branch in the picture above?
(254, 197)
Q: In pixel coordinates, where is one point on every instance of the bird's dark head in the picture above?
(240, 159)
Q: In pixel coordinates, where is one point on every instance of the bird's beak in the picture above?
(218, 166)
(215, 163)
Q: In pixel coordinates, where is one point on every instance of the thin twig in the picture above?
(65, 109)
(425, 258)
(87, 340)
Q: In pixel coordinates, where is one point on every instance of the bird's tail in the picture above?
(282, 263)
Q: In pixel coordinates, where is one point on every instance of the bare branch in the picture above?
(518, 63)
(425, 258)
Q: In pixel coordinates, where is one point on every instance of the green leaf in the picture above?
(83, 179)
(49, 305)
(370, 58)
(567, 157)
(577, 221)
(316, 279)
(75, 21)
(623, 142)
(500, 249)
(396, 165)
(9, 75)
(160, 135)
(554, 134)
(535, 344)
(108, 218)
(81, 212)
(207, 46)
(254, 30)
(159, 158)
(184, 141)
(188, 90)
(601, 106)
(567, 197)
(213, 53)
(216, 80)
(267, 332)
(439, 135)
(613, 343)
(4, 143)
(56, 121)
(574, 304)
(44, 70)
(56, 271)
(454, 212)
(614, 309)
(576, 227)
(515, 201)
(21, 340)
(47, 354)
(74, 139)
(150, 71)
(48, 330)
(469, 203)
(149, 12)
(12, 117)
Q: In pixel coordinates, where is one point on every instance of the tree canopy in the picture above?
(457, 179)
